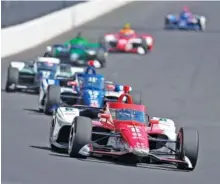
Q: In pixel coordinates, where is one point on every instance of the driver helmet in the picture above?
(127, 26)
(79, 35)
(186, 9)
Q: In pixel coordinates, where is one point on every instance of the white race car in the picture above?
(51, 89)
(26, 75)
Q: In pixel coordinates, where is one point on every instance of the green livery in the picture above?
(79, 51)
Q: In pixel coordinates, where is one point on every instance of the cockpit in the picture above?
(128, 114)
(47, 66)
(65, 68)
(47, 63)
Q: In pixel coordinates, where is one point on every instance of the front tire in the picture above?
(12, 79)
(101, 57)
(187, 147)
(80, 135)
(52, 98)
(166, 22)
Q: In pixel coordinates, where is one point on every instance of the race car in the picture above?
(185, 21)
(78, 51)
(26, 76)
(89, 89)
(128, 41)
(125, 132)
(48, 91)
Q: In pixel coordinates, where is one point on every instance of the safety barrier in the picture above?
(28, 35)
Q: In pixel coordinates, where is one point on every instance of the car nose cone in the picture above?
(142, 152)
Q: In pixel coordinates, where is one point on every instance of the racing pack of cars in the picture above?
(92, 116)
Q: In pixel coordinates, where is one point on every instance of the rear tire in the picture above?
(187, 146)
(80, 135)
(166, 22)
(12, 79)
(144, 45)
(52, 98)
(101, 57)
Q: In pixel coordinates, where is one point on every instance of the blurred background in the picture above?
(16, 12)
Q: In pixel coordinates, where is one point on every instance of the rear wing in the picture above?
(48, 59)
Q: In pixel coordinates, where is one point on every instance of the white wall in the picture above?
(18, 38)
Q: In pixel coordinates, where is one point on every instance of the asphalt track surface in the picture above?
(179, 80)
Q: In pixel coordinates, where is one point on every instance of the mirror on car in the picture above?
(147, 117)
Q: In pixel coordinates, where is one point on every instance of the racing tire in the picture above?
(137, 99)
(101, 57)
(144, 45)
(12, 78)
(80, 135)
(103, 43)
(187, 146)
(166, 22)
(52, 98)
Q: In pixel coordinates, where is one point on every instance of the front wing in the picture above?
(96, 150)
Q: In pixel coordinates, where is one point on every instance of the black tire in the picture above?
(166, 22)
(52, 98)
(80, 135)
(12, 78)
(137, 99)
(187, 145)
(144, 45)
(101, 57)
(103, 43)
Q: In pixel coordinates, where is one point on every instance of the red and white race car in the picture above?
(131, 43)
(123, 131)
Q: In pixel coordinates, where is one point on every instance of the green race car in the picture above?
(78, 51)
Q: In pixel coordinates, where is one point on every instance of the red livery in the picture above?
(123, 130)
(127, 40)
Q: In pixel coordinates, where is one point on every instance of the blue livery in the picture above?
(185, 21)
(88, 89)
(91, 88)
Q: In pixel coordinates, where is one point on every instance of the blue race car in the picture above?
(88, 89)
(185, 21)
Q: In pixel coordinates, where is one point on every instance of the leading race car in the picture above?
(27, 75)
(78, 51)
(127, 40)
(123, 131)
(88, 88)
(185, 21)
